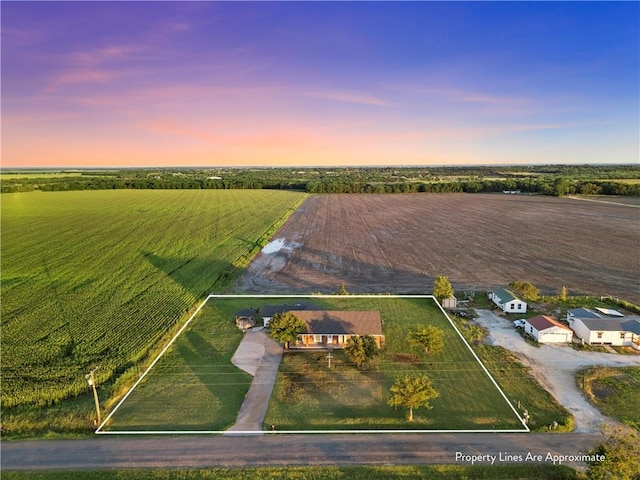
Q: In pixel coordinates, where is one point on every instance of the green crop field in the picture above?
(96, 278)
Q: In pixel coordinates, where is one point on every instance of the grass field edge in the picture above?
(524, 424)
(148, 369)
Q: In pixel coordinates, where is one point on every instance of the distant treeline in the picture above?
(543, 180)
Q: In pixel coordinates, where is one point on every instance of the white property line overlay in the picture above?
(99, 430)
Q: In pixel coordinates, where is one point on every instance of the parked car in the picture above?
(519, 323)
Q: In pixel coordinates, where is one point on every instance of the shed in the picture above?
(547, 330)
(450, 303)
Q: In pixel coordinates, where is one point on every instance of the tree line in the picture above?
(543, 180)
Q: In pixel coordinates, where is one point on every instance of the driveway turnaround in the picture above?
(555, 366)
(260, 356)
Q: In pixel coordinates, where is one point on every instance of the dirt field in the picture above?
(399, 243)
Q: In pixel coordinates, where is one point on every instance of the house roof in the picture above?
(632, 325)
(505, 295)
(583, 313)
(606, 324)
(339, 322)
(271, 310)
(542, 322)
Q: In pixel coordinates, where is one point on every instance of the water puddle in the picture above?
(273, 246)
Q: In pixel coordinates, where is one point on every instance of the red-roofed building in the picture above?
(547, 330)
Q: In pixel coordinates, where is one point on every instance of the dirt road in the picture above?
(555, 366)
(282, 449)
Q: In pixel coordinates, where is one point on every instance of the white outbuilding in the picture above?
(547, 330)
(507, 301)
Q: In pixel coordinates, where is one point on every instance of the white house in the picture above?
(547, 330)
(576, 313)
(608, 331)
(507, 301)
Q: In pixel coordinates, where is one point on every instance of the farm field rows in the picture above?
(96, 278)
(399, 243)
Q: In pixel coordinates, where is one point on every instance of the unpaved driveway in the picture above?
(555, 366)
(260, 356)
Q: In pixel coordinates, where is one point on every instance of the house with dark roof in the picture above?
(249, 317)
(507, 301)
(621, 332)
(547, 330)
(333, 328)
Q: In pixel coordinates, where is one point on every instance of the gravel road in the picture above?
(555, 366)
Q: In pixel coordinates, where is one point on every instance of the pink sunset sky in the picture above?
(110, 84)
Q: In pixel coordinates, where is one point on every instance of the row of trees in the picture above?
(555, 180)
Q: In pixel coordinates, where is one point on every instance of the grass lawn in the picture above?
(194, 386)
(310, 396)
(615, 391)
(326, 472)
(519, 386)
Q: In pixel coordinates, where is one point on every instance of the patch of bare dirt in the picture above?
(399, 243)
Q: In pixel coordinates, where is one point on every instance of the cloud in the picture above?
(99, 56)
(346, 97)
(86, 75)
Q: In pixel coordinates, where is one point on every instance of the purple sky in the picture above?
(93, 84)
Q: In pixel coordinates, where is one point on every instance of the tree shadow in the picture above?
(195, 274)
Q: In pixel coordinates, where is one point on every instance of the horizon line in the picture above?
(308, 167)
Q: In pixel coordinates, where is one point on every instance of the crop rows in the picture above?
(95, 278)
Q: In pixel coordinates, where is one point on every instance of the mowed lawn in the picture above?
(194, 385)
(94, 279)
(309, 395)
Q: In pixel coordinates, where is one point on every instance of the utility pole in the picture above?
(92, 383)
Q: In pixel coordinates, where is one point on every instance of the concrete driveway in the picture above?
(554, 366)
(260, 356)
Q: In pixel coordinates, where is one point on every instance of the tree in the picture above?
(285, 327)
(563, 293)
(442, 288)
(526, 289)
(412, 392)
(360, 349)
(342, 290)
(431, 339)
(618, 456)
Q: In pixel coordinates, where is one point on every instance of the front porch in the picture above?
(313, 341)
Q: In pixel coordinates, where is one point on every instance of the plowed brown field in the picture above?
(399, 243)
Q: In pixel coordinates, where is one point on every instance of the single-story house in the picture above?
(507, 301)
(575, 313)
(547, 330)
(621, 332)
(249, 317)
(334, 327)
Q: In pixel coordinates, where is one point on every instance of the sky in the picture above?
(117, 84)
